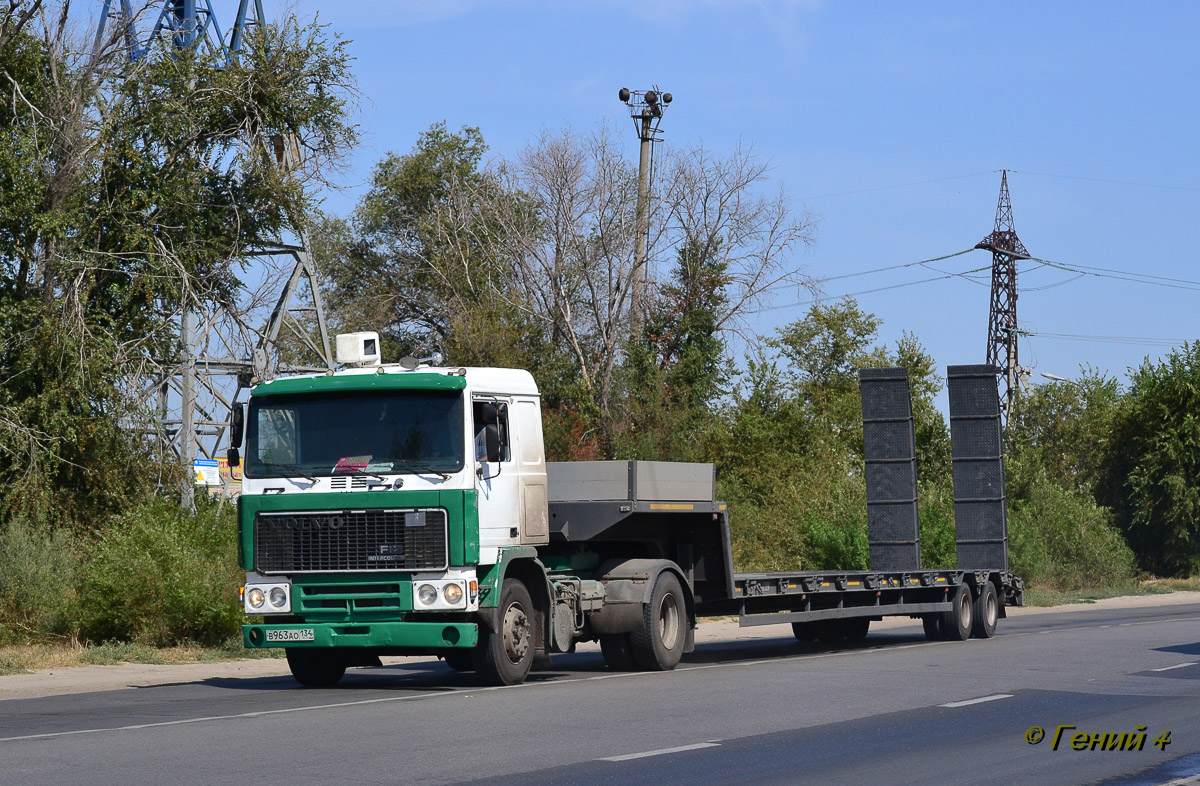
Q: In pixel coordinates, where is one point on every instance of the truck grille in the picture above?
(350, 540)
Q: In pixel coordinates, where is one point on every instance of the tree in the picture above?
(1064, 427)
(132, 191)
(1153, 473)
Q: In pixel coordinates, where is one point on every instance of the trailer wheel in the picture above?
(504, 657)
(856, 628)
(829, 631)
(617, 651)
(459, 660)
(803, 631)
(987, 612)
(957, 622)
(316, 668)
(658, 644)
(932, 623)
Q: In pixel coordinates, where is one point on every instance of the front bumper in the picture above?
(402, 635)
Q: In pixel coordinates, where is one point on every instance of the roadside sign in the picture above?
(205, 472)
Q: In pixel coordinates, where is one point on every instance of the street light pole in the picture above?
(646, 109)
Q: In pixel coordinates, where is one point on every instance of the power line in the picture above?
(869, 291)
(1105, 180)
(898, 185)
(899, 267)
(1129, 340)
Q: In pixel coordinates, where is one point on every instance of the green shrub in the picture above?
(162, 576)
(37, 581)
(1062, 539)
(939, 549)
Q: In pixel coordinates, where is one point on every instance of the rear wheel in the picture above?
(987, 612)
(855, 628)
(932, 623)
(829, 631)
(316, 668)
(957, 622)
(658, 644)
(803, 631)
(504, 657)
(617, 651)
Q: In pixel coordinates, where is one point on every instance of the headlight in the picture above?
(278, 597)
(453, 594)
(256, 598)
(428, 594)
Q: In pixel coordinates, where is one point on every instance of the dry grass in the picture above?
(1039, 596)
(20, 658)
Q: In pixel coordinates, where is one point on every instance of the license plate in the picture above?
(294, 634)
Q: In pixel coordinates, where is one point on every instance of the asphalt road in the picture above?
(897, 709)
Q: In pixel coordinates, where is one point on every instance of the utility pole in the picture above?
(646, 109)
(1003, 330)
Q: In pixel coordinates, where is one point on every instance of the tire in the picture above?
(658, 644)
(829, 631)
(617, 651)
(856, 628)
(933, 627)
(316, 668)
(957, 622)
(460, 660)
(504, 657)
(803, 631)
(987, 612)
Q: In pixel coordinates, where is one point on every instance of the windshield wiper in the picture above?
(416, 469)
(361, 474)
(293, 468)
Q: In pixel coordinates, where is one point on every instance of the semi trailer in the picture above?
(408, 508)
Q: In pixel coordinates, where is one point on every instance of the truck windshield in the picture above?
(367, 432)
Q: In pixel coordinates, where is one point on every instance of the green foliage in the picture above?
(37, 580)
(1062, 539)
(679, 369)
(939, 548)
(1064, 428)
(161, 576)
(1152, 477)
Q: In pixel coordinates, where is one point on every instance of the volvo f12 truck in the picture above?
(401, 509)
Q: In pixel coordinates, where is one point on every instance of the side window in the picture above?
(529, 441)
(481, 421)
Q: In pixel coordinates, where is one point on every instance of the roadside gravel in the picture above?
(86, 679)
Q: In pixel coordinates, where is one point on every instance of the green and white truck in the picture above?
(401, 509)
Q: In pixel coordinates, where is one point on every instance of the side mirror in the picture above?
(234, 457)
(237, 427)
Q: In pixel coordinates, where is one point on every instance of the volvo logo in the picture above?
(308, 523)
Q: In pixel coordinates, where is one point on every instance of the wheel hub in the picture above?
(516, 633)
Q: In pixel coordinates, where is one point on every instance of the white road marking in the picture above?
(875, 650)
(1176, 666)
(660, 752)
(977, 701)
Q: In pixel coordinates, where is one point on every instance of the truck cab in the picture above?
(377, 503)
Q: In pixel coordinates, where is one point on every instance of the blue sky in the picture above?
(1080, 101)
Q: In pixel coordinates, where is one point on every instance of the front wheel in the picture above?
(459, 660)
(658, 644)
(316, 668)
(504, 657)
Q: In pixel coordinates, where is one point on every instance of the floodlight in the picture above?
(624, 94)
